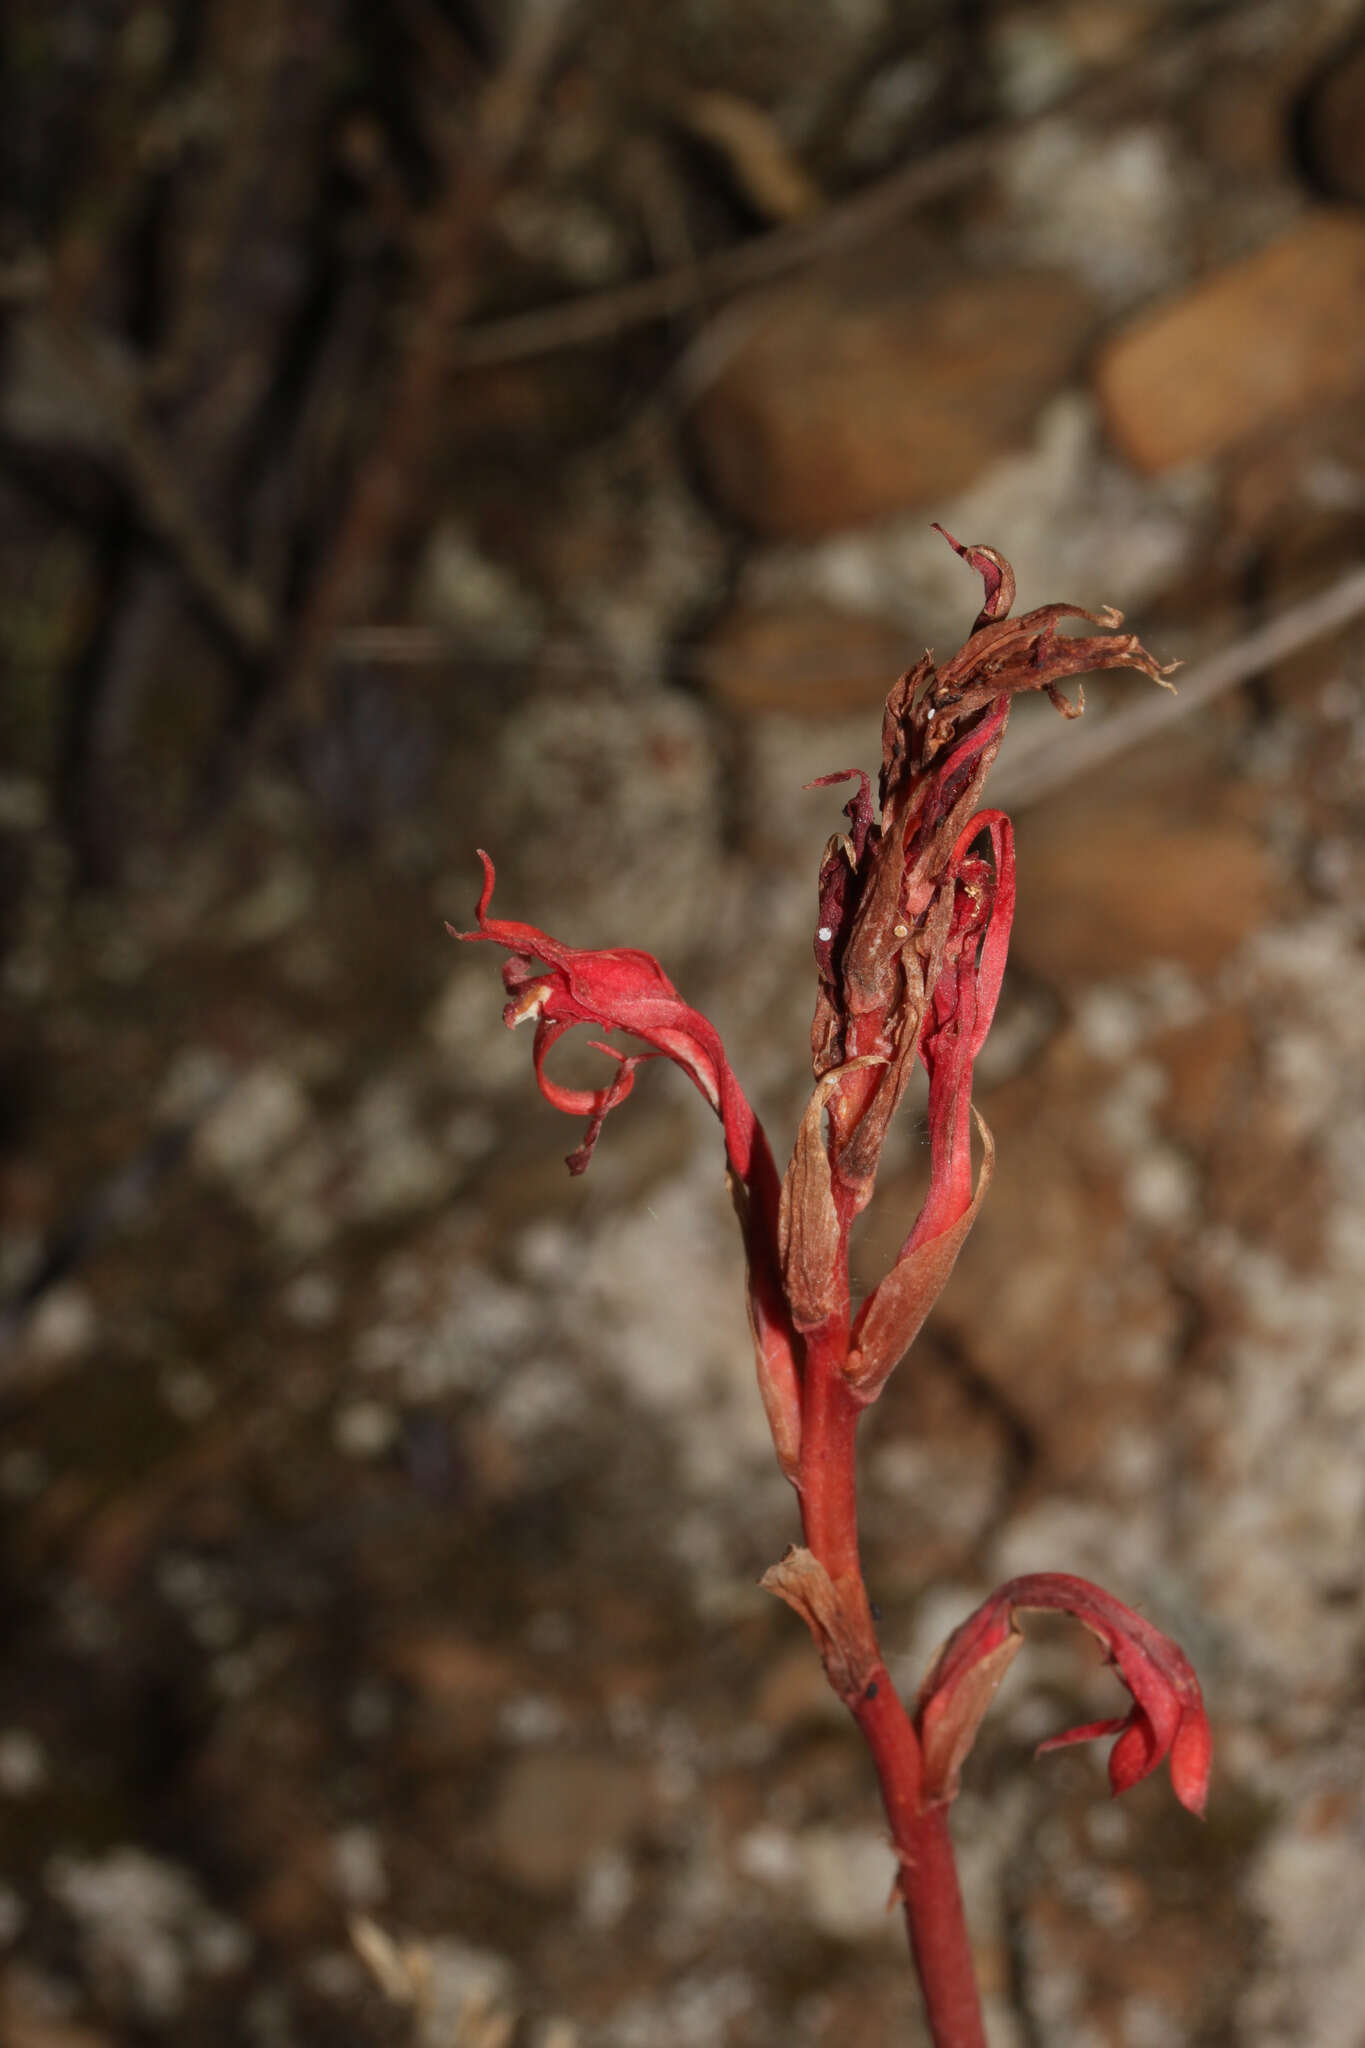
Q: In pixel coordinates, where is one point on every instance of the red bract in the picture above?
(960, 1011)
(1166, 1719)
(619, 988)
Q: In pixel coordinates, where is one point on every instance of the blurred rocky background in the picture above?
(443, 424)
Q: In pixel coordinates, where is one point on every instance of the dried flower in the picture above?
(915, 907)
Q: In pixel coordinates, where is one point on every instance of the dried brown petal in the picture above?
(835, 1617)
(810, 1237)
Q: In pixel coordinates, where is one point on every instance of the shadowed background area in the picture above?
(449, 424)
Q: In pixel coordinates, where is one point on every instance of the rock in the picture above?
(804, 660)
(855, 395)
(556, 1814)
(1109, 884)
(1107, 35)
(1260, 342)
(1334, 125)
(1073, 1332)
(453, 1671)
(1208, 1065)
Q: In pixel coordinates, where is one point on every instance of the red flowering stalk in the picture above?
(915, 904)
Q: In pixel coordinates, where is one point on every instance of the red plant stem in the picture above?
(928, 1881)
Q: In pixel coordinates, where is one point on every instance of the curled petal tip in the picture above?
(1191, 1764)
(994, 571)
(489, 878)
(485, 898)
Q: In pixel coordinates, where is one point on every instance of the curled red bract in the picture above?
(619, 988)
(615, 988)
(1166, 1720)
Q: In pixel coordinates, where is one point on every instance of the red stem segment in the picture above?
(928, 1882)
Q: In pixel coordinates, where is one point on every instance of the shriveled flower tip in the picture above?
(902, 895)
(1166, 1720)
(916, 899)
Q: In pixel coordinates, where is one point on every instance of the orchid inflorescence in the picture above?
(915, 902)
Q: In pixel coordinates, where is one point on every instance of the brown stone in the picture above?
(852, 398)
(1106, 886)
(556, 1813)
(803, 660)
(1106, 35)
(452, 1669)
(1260, 342)
(458, 1690)
(1208, 1072)
(1022, 1304)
